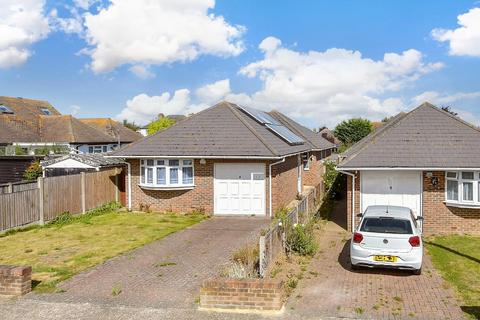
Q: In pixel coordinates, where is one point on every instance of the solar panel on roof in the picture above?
(285, 133)
(274, 125)
(5, 109)
(260, 116)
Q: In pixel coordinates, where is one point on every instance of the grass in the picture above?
(457, 258)
(59, 250)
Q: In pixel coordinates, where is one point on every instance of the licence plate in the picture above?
(385, 258)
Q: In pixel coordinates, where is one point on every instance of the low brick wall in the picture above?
(15, 280)
(242, 294)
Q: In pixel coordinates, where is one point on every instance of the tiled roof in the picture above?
(113, 129)
(69, 129)
(223, 130)
(426, 137)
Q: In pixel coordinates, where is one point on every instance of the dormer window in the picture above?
(5, 109)
(46, 111)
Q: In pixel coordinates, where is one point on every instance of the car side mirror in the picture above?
(359, 215)
(419, 218)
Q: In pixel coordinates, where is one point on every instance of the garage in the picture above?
(396, 188)
(239, 189)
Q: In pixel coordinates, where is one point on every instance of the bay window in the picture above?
(463, 187)
(167, 173)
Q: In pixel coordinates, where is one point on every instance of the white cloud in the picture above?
(143, 72)
(158, 32)
(438, 98)
(84, 4)
(464, 40)
(72, 24)
(333, 85)
(74, 110)
(22, 23)
(214, 92)
(144, 108)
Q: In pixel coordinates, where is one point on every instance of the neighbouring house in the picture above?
(225, 160)
(73, 163)
(427, 160)
(13, 167)
(35, 127)
(328, 134)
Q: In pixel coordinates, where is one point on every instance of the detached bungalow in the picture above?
(225, 160)
(427, 160)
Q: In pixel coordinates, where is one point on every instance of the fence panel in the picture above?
(100, 188)
(274, 241)
(18, 209)
(62, 194)
(17, 186)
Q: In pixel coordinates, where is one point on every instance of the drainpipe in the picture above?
(270, 185)
(129, 186)
(353, 196)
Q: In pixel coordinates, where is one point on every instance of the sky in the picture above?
(319, 62)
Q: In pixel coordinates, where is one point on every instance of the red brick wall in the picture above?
(349, 200)
(442, 219)
(314, 175)
(246, 294)
(15, 280)
(284, 183)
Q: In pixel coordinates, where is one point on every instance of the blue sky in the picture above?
(320, 62)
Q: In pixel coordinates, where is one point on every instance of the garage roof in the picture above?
(224, 130)
(426, 137)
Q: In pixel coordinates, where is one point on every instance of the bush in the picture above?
(33, 171)
(244, 264)
(330, 175)
(301, 241)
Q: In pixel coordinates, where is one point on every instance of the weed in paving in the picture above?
(165, 264)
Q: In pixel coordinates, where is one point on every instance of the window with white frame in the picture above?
(463, 187)
(98, 149)
(166, 172)
(306, 161)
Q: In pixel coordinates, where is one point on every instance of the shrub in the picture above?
(301, 241)
(33, 171)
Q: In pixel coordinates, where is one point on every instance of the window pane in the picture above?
(468, 191)
(187, 162)
(161, 176)
(452, 175)
(149, 162)
(104, 148)
(142, 172)
(187, 173)
(90, 149)
(149, 175)
(452, 190)
(173, 163)
(160, 162)
(467, 175)
(386, 225)
(173, 175)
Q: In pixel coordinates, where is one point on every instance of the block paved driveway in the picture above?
(334, 290)
(164, 273)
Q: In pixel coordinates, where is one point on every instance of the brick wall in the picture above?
(349, 200)
(314, 175)
(243, 294)
(15, 280)
(284, 182)
(442, 219)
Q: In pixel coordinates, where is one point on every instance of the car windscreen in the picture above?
(386, 225)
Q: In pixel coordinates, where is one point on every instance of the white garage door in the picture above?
(395, 188)
(239, 188)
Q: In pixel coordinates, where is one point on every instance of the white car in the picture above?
(387, 237)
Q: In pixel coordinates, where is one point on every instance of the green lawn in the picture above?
(458, 260)
(60, 250)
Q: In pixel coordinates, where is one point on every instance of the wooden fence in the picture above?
(46, 199)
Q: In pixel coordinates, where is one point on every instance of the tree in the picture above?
(159, 124)
(449, 110)
(353, 130)
(33, 171)
(130, 125)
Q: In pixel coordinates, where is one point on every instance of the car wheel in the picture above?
(417, 272)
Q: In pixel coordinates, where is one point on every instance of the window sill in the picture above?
(462, 205)
(183, 187)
